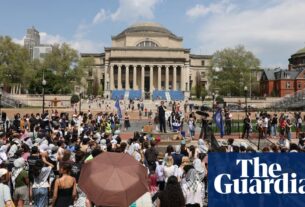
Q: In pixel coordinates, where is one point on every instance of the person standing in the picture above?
(5, 198)
(204, 127)
(298, 125)
(247, 126)
(161, 115)
(20, 181)
(192, 125)
(274, 123)
(151, 156)
(126, 121)
(41, 185)
(65, 187)
(193, 189)
(288, 129)
(172, 196)
(228, 122)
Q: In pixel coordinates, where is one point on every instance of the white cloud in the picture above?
(80, 44)
(130, 10)
(46, 38)
(199, 10)
(272, 33)
(100, 17)
(19, 41)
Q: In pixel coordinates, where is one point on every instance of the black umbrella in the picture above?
(202, 113)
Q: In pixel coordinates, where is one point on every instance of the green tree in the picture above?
(231, 70)
(62, 61)
(14, 64)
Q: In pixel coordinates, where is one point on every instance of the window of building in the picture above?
(147, 43)
(202, 74)
(287, 84)
(202, 62)
(90, 72)
(299, 85)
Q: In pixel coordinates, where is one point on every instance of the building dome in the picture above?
(300, 52)
(146, 27)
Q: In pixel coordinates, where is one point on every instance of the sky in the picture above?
(271, 29)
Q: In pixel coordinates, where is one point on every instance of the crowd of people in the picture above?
(41, 157)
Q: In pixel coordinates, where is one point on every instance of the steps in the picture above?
(126, 96)
(167, 95)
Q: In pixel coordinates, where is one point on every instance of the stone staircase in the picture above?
(126, 96)
(167, 95)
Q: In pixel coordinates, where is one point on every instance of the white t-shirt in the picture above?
(42, 180)
(5, 194)
(265, 122)
(169, 171)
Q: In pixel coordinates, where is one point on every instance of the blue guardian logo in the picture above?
(256, 179)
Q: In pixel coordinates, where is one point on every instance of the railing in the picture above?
(5, 101)
(296, 100)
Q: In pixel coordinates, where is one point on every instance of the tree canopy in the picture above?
(62, 68)
(14, 63)
(231, 69)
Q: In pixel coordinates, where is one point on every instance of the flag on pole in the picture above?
(219, 122)
(117, 106)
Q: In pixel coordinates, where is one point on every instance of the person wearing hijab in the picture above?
(202, 147)
(193, 190)
(137, 154)
(200, 168)
(20, 181)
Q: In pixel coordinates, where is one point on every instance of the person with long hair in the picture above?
(172, 196)
(168, 152)
(41, 185)
(169, 168)
(65, 187)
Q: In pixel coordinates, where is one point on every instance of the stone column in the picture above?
(135, 86)
(151, 81)
(142, 76)
(175, 78)
(159, 78)
(111, 81)
(119, 77)
(127, 78)
(166, 78)
(182, 79)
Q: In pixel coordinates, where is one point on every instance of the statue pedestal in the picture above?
(170, 138)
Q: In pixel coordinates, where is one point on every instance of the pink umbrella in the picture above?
(113, 179)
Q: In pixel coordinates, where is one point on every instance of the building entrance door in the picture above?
(146, 84)
(146, 87)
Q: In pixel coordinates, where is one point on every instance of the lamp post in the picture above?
(213, 98)
(44, 83)
(246, 95)
(80, 102)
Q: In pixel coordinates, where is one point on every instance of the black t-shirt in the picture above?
(274, 120)
(185, 153)
(151, 155)
(161, 112)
